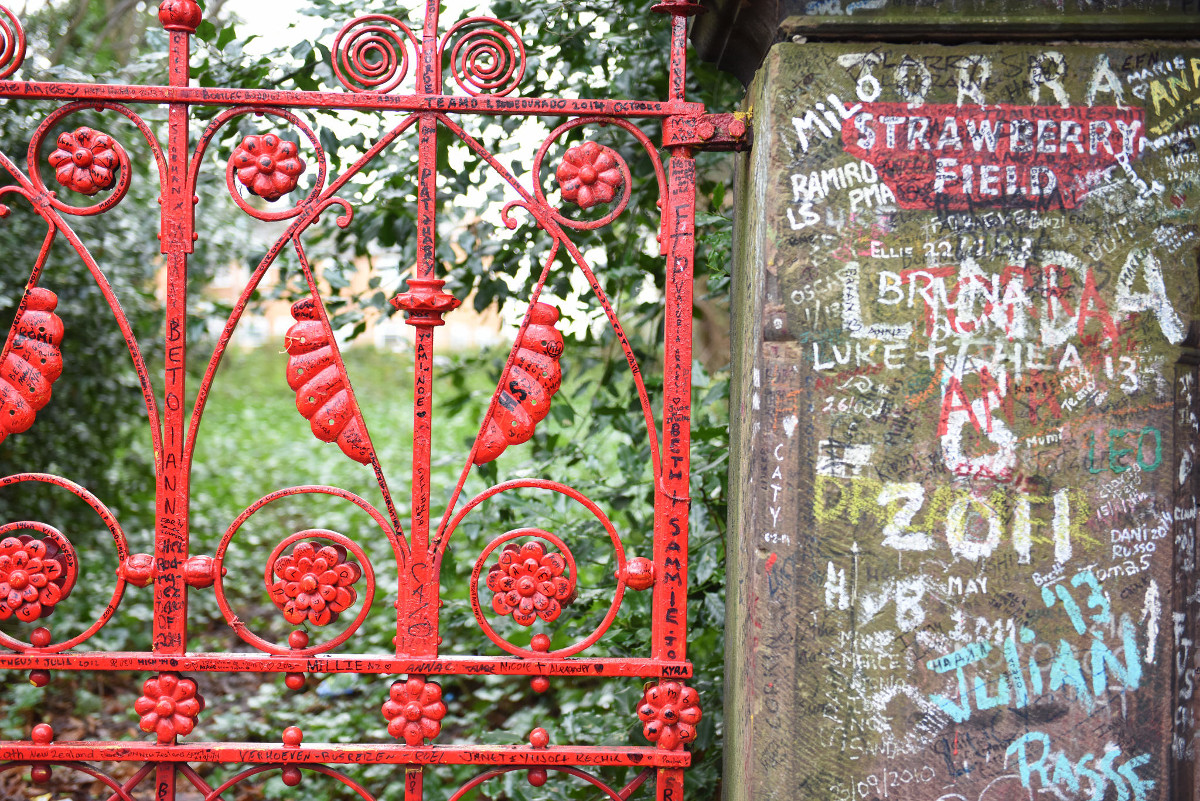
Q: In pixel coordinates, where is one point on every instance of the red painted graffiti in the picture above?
(959, 158)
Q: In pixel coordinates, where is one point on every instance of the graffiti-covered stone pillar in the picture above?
(966, 418)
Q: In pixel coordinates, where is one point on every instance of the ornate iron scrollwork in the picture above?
(316, 577)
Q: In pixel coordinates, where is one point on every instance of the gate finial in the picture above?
(180, 15)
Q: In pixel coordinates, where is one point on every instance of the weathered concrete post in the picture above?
(966, 416)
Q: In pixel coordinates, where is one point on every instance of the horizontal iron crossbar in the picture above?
(348, 753)
(346, 663)
(211, 96)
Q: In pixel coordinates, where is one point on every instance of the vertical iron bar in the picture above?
(669, 784)
(171, 535)
(678, 68)
(672, 498)
(171, 492)
(164, 781)
(429, 77)
(423, 361)
(417, 635)
(414, 782)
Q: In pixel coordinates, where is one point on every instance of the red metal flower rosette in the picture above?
(169, 706)
(589, 174)
(268, 166)
(272, 580)
(669, 714)
(85, 161)
(601, 185)
(528, 583)
(316, 583)
(35, 574)
(414, 710)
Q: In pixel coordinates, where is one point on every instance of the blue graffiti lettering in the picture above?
(1055, 770)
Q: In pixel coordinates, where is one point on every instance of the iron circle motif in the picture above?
(612, 794)
(12, 43)
(85, 161)
(520, 574)
(64, 558)
(82, 767)
(215, 794)
(622, 200)
(232, 166)
(586, 503)
(119, 541)
(123, 177)
(487, 58)
(239, 627)
(369, 56)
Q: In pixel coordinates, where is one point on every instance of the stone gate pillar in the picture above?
(966, 416)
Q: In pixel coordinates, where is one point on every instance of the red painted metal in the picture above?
(315, 581)
(528, 582)
(35, 574)
(315, 576)
(670, 712)
(85, 161)
(414, 710)
(288, 662)
(528, 384)
(589, 174)
(169, 706)
(31, 361)
(267, 166)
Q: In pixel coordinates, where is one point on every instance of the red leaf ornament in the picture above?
(33, 363)
(323, 395)
(527, 387)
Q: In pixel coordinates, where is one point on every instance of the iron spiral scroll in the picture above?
(324, 583)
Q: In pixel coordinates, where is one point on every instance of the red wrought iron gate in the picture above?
(315, 574)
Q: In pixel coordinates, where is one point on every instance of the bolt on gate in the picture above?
(316, 574)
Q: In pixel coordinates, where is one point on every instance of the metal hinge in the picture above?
(709, 131)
